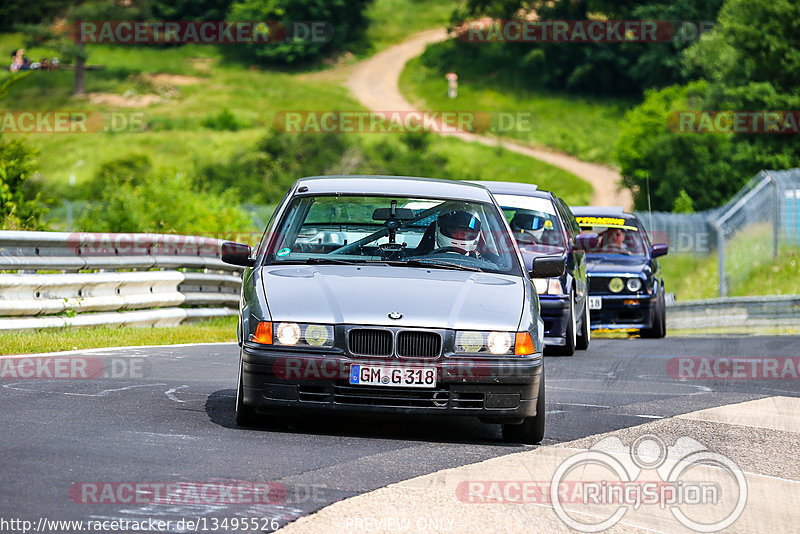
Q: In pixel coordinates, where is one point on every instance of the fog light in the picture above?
(616, 285)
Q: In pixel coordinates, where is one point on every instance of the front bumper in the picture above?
(624, 312)
(489, 388)
(555, 314)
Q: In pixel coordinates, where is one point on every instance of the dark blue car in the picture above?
(543, 225)
(626, 290)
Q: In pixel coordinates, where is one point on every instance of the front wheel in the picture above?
(245, 415)
(568, 348)
(585, 333)
(531, 430)
(659, 328)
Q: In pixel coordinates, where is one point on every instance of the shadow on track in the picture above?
(220, 407)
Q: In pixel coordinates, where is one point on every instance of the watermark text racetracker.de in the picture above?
(581, 31)
(730, 368)
(73, 368)
(71, 122)
(262, 32)
(498, 122)
(593, 490)
(771, 122)
(149, 524)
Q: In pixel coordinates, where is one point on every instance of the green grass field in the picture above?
(751, 269)
(58, 339)
(191, 84)
(391, 21)
(587, 128)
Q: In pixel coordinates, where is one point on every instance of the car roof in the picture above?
(512, 188)
(406, 186)
(600, 211)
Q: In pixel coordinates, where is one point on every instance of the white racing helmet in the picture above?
(458, 229)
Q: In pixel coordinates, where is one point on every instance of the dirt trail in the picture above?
(375, 83)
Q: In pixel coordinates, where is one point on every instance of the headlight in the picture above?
(314, 335)
(483, 342)
(616, 285)
(548, 286)
(540, 284)
(498, 342)
(634, 284)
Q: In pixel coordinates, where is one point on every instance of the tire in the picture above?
(531, 430)
(245, 415)
(585, 334)
(568, 349)
(659, 328)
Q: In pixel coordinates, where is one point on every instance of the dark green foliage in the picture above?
(21, 206)
(15, 12)
(162, 202)
(598, 68)
(751, 62)
(223, 120)
(345, 19)
(265, 172)
(190, 9)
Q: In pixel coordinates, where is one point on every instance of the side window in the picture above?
(570, 218)
(262, 245)
(564, 219)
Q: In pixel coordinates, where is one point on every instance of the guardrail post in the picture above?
(723, 286)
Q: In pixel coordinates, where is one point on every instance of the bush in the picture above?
(345, 19)
(21, 206)
(163, 202)
(702, 165)
(749, 62)
(267, 171)
(224, 120)
(597, 68)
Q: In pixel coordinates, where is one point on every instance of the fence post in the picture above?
(723, 286)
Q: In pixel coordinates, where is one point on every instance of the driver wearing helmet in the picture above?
(458, 231)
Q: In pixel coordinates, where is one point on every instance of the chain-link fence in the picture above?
(749, 231)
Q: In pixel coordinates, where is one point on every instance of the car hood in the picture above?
(432, 298)
(600, 264)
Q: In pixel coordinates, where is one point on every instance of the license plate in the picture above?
(595, 303)
(377, 375)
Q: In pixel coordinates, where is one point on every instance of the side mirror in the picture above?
(587, 241)
(548, 267)
(237, 254)
(660, 249)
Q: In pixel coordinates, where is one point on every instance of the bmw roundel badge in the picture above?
(395, 315)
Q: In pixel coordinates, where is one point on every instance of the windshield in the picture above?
(533, 221)
(616, 235)
(408, 232)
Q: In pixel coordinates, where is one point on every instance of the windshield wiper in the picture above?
(331, 261)
(436, 264)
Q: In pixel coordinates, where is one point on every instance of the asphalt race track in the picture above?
(167, 418)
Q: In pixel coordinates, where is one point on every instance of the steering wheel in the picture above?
(447, 249)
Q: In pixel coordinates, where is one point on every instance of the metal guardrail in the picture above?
(141, 279)
(740, 312)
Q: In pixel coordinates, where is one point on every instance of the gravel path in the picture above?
(375, 83)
